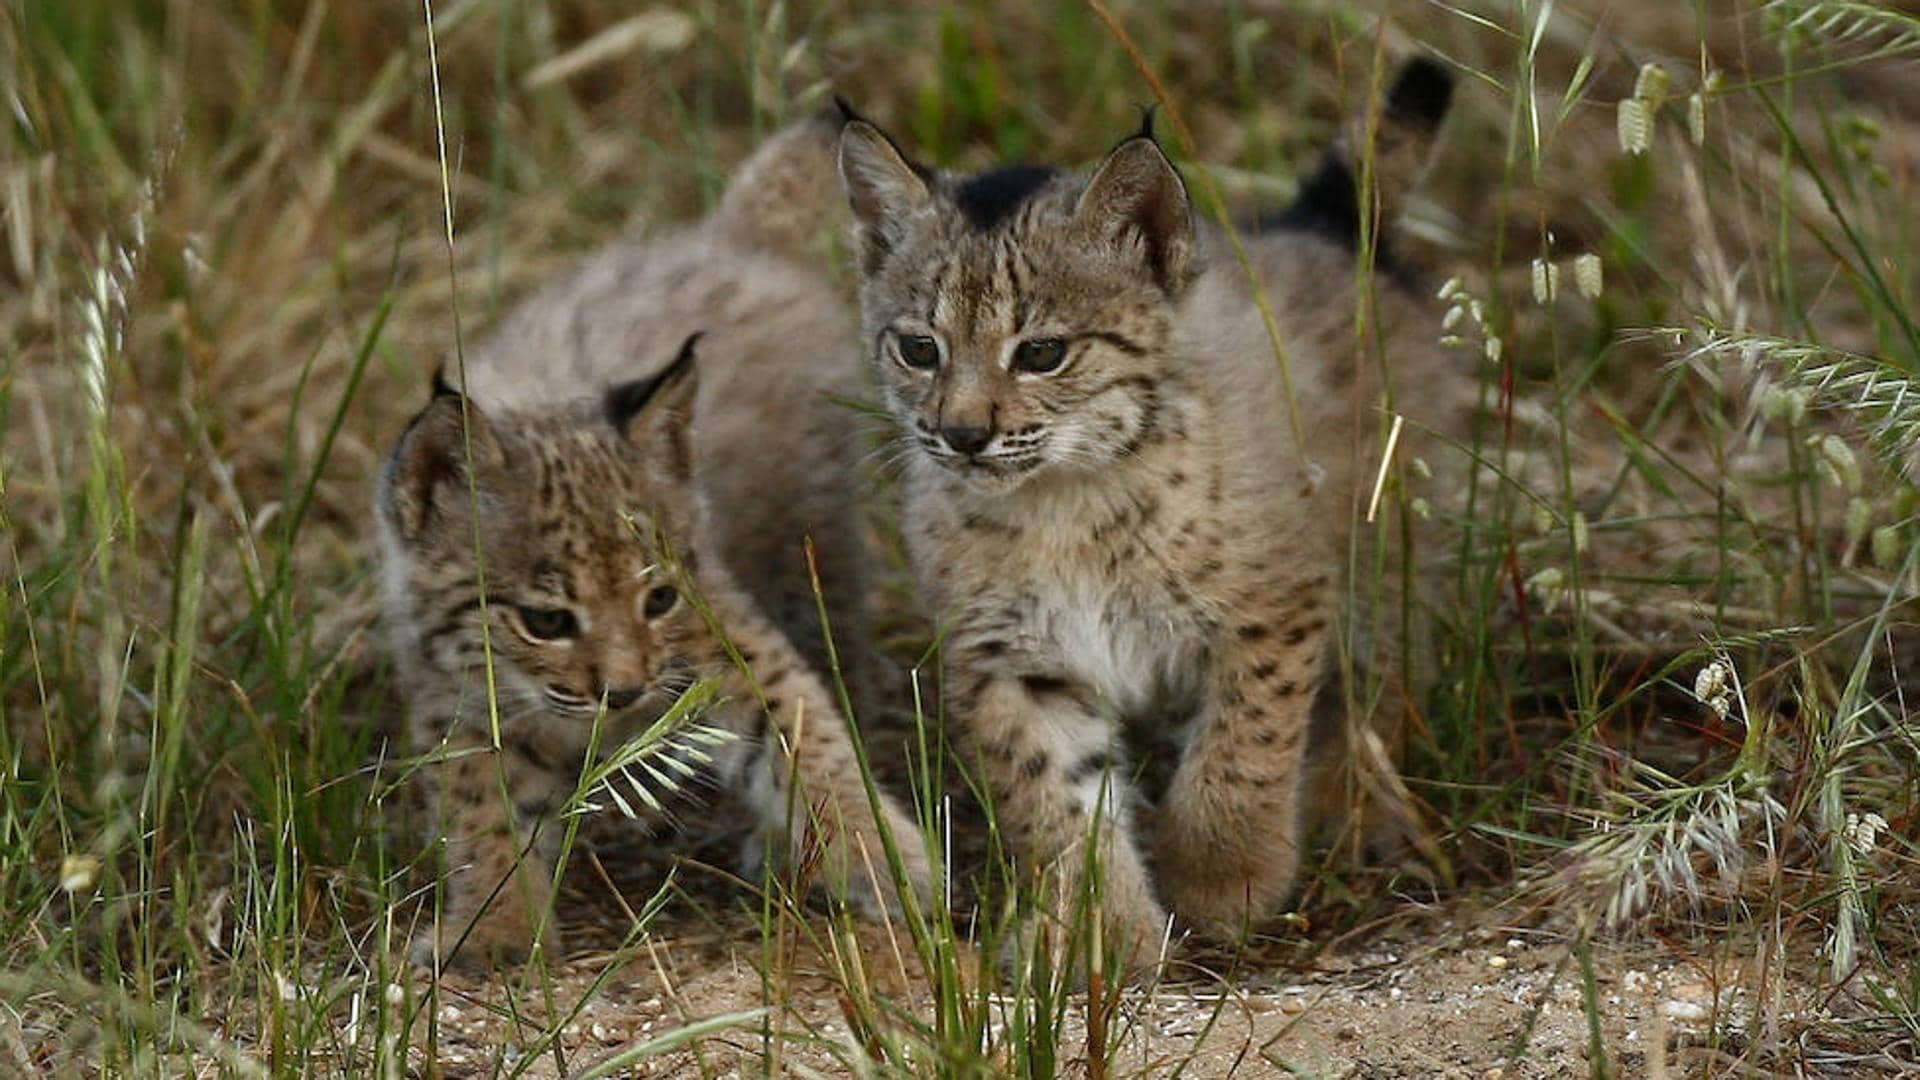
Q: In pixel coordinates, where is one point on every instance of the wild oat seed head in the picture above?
(78, 873)
(1546, 281)
(1493, 349)
(1453, 316)
(1714, 687)
(1580, 538)
(1863, 831)
(1634, 124)
(1784, 403)
(1549, 587)
(1888, 549)
(1859, 518)
(1449, 288)
(1697, 119)
(1542, 520)
(1652, 85)
(1588, 277)
(1837, 461)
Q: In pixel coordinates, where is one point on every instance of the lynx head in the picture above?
(570, 510)
(1019, 318)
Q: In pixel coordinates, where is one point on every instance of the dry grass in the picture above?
(224, 279)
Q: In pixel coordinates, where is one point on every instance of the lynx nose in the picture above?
(620, 699)
(967, 439)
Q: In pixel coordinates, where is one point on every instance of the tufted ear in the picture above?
(883, 187)
(1137, 202)
(656, 413)
(427, 471)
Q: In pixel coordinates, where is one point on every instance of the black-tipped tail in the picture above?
(1421, 94)
(1328, 203)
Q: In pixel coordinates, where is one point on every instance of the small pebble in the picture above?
(1497, 962)
(1683, 1010)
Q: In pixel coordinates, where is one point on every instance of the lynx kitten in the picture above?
(1110, 510)
(672, 393)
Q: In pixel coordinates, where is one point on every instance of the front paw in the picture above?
(868, 877)
(491, 941)
(1220, 891)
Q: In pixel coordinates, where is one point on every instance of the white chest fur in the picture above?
(1135, 650)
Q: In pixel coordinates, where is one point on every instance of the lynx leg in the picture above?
(1049, 763)
(1229, 833)
(803, 719)
(498, 860)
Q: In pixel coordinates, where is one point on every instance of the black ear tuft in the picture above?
(1421, 93)
(1147, 113)
(625, 400)
(848, 114)
(441, 387)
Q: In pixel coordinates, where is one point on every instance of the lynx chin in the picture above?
(1109, 510)
(654, 430)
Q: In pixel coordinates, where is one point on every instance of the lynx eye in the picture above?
(550, 624)
(919, 352)
(1039, 356)
(660, 600)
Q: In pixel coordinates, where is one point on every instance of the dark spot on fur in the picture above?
(1038, 685)
(1265, 670)
(1092, 765)
(996, 749)
(1287, 689)
(1033, 767)
(987, 199)
(990, 526)
(1298, 634)
(1253, 631)
(525, 748)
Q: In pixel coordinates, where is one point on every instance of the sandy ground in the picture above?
(1455, 989)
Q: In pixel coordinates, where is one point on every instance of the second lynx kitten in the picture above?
(1109, 508)
(658, 420)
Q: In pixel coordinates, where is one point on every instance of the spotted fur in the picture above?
(658, 426)
(1131, 541)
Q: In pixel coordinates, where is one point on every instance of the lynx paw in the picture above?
(497, 940)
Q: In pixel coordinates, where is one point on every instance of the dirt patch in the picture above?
(1452, 990)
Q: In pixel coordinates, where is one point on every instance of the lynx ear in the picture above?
(883, 187)
(656, 413)
(1138, 202)
(427, 473)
